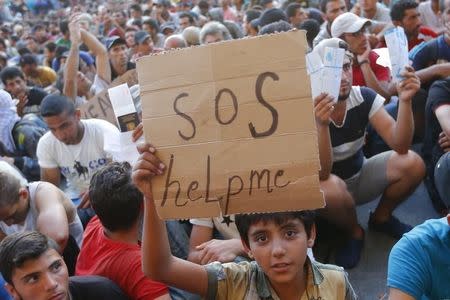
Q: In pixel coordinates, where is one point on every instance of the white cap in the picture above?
(332, 43)
(347, 23)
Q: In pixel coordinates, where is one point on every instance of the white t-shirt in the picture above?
(77, 162)
(429, 18)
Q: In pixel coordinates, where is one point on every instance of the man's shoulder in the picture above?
(94, 287)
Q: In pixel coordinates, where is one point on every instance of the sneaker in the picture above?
(392, 227)
(349, 255)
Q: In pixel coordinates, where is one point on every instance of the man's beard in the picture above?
(343, 97)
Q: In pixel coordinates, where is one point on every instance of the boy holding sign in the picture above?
(278, 242)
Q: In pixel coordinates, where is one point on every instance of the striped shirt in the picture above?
(347, 139)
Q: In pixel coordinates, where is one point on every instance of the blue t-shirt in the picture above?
(427, 54)
(419, 264)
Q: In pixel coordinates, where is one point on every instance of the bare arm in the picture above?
(323, 107)
(395, 294)
(199, 235)
(157, 261)
(72, 62)
(100, 53)
(52, 217)
(434, 72)
(51, 175)
(442, 113)
(398, 134)
(381, 87)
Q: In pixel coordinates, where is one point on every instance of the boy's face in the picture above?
(43, 278)
(280, 250)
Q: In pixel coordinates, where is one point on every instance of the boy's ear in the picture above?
(247, 249)
(312, 236)
(12, 291)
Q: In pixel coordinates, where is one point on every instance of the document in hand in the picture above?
(397, 45)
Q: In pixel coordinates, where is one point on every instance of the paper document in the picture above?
(397, 45)
(325, 75)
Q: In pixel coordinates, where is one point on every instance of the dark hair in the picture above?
(37, 27)
(244, 221)
(186, 15)
(152, 23)
(136, 7)
(399, 8)
(54, 105)
(51, 46)
(252, 14)
(312, 28)
(279, 26)
(28, 59)
(64, 27)
(9, 188)
(115, 199)
(291, 9)
(23, 51)
(18, 248)
(9, 73)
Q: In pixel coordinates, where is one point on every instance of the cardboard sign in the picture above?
(100, 107)
(234, 124)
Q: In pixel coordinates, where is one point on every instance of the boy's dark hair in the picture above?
(20, 247)
(312, 28)
(10, 73)
(136, 7)
(51, 46)
(244, 221)
(115, 199)
(399, 8)
(291, 9)
(152, 23)
(54, 105)
(28, 59)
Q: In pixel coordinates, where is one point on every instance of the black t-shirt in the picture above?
(439, 94)
(35, 96)
(94, 288)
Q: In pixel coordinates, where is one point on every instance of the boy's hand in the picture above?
(409, 86)
(219, 250)
(147, 166)
(323, 107)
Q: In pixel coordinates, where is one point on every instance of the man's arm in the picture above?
(52, 217)
(398, 134)
(442, 113)
(323, 107)
(204, 250)
(51, 175)
(434, 72)
(395, 294)
(100, 53)
(157, 261)
(72, 62)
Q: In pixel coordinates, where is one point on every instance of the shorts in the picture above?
(371, 181)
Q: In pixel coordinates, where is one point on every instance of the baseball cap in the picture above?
(168, 25)
(347, 23)
(165, 3)
(270, 15)
(114, 40)
(140, 36)
(442, 178)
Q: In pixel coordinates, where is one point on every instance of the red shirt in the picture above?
(381, 73)
(118, 261)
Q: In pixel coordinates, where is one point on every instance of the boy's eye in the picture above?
(290, 233)
(32, 279)
(56, 266)
(261, 238)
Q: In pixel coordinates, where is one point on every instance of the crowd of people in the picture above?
(75, 224)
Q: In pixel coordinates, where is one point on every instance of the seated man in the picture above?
(73, 147)
(38, 75)
(331, 9)
(419, 263)
(19, 137)
(366, 72)
(29, 97)
(39, 206)
(77, 86)
(437, 137)
(110, 244)
(33, 269)
(393, 174)
(431, 60)
(278, 242)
